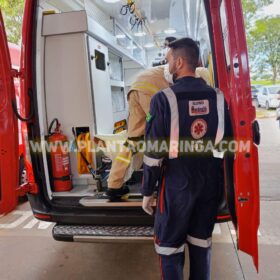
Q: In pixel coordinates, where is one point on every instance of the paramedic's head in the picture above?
(183, 57)
(168, 40)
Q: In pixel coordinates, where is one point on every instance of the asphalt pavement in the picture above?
(269, 158)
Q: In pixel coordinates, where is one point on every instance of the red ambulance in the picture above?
(76, 65)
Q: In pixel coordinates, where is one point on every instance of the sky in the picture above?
(273, 9)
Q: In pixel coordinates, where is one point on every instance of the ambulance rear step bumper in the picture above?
(103, 234)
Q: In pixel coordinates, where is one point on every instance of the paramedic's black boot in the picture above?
(116, 194)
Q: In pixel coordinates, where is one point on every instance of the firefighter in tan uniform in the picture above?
(148, 83)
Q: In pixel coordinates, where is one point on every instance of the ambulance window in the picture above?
(225, 31)
(100, 60)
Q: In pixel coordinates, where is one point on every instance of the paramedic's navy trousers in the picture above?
(185, 216)
(200, 267)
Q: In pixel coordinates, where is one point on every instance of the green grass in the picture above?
(261, 113)
(264, 82)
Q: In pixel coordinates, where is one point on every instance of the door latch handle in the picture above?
(243, 199)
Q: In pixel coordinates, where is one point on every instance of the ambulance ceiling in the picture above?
(160, 15)
(153, 9)
(183, 17)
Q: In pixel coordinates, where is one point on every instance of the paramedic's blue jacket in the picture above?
(198, 116)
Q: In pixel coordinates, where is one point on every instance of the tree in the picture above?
(13, 15)
(262, 40)
(250, 8)
(266, 47)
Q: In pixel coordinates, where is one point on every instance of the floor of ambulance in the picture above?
(90, 198)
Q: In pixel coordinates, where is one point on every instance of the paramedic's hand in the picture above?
(147, 204)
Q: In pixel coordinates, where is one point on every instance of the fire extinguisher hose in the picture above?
(51, 126)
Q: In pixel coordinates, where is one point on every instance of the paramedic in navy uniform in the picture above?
(189, 191)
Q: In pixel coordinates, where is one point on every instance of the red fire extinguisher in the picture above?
(59, 158)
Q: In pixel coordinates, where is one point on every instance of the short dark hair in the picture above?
(188, 49)
(170, 39)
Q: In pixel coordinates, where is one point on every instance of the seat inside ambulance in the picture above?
(88, 53)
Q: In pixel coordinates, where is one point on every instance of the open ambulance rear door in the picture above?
(234, 80)
(8, 128)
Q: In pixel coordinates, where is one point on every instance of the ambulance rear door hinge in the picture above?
(31, 188)
(16, 73)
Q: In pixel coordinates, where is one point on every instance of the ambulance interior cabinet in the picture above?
(78, 88)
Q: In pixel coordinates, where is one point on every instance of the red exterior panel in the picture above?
(8, 129)
(26, 77)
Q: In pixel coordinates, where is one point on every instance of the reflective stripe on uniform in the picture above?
(169, 250)
(221, 116)
(141, 85)
(174, 131)
(218, 154)
(152, 161)
(122, 159)
(204, 243)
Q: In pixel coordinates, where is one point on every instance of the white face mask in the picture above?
(167, 75)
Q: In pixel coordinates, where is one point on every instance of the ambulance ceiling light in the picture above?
(170, 31)
(111, 1)
(149, 45)
(120, 36)
(131, 47)
(140, 34)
